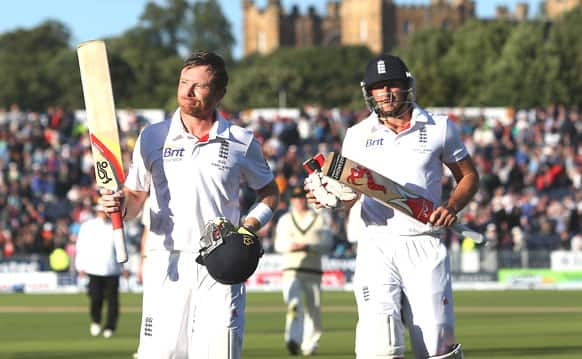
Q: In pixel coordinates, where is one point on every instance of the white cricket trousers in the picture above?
(400, 276)
(302, 294)
(186, 313)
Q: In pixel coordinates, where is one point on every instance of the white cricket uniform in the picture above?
(396, 254)
(186, 313)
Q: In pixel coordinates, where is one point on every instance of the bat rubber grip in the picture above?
(469, 233)
(118, 237)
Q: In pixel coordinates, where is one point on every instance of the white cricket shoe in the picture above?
(107, 333)
(95, 329)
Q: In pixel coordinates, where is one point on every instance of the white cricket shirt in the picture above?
(95, 249)
(192, 181)
(412, 158)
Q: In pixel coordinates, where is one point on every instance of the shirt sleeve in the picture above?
(138, 177)
(282, 242)
(255, 169)
(454, 148)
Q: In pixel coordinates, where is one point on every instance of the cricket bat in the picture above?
(102, 123)
(381, 189)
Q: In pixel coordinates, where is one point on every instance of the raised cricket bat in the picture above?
(102, 123)
(380, 188)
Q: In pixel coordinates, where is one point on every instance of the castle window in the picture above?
(363, 30)
(407, 27)
(262, 41)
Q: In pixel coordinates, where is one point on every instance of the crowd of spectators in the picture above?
(530, 167)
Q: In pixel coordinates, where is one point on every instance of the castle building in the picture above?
(378, 24)
(555, 8)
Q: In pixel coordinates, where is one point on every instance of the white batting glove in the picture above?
(327, 191)
(341, 191)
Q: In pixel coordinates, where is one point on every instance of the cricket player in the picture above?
(192, 166)
(402, 269)
(302, 236)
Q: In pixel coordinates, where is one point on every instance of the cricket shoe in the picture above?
(95, 329)
(107, 333)
(293, 347)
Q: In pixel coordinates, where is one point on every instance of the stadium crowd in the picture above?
(530, 167)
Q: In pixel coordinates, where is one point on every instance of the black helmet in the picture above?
(230, 255)
(386, 68)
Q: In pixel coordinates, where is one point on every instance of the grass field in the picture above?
(510, 324)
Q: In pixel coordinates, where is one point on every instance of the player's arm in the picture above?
(262, 211)
(467, 179)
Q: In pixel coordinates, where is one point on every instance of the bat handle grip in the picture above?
(118, 237)
(469, 233)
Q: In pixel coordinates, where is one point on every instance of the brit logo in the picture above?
(373, 142)
(170, 152)
(148, 327)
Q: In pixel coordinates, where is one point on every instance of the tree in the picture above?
(476, 46)
(210, 29)
(564, 55)
(169, 23)
(328, 77)
(24, 55)
(518, 77)
(424, 57)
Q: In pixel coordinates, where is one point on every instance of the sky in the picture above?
(96, 19)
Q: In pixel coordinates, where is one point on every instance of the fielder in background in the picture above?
(302, 235)
(402, 268)
(96, 260)
(198, 257)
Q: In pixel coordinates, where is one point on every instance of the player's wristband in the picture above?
(261, 212)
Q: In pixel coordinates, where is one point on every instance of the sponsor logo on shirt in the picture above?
(172, 153)
(374, 142)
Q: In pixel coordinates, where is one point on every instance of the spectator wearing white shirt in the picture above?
(96, 259)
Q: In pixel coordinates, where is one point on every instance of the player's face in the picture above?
(298, 203)
(197, 96)
(389, 95)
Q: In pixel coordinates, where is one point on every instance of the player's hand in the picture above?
(443, 217)
(111, 201)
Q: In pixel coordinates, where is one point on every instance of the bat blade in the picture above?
(381, 188)
(102, 123)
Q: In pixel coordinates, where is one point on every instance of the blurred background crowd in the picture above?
(530, 167)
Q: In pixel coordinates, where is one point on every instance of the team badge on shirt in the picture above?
(223, 151)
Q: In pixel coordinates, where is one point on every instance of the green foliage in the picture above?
(484, 63)
(327, 76)
(564, 57)
(424, 57)
(210, 30)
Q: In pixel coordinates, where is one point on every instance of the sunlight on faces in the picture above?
(196, 95)
(389, 94)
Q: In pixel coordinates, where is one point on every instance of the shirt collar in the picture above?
(220, 128)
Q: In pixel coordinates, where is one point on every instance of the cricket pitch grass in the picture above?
(490, 324)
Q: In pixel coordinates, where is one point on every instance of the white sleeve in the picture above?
(282, 242)
(80, 260)
(138, 177)
(254, 168)
(454, 149)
